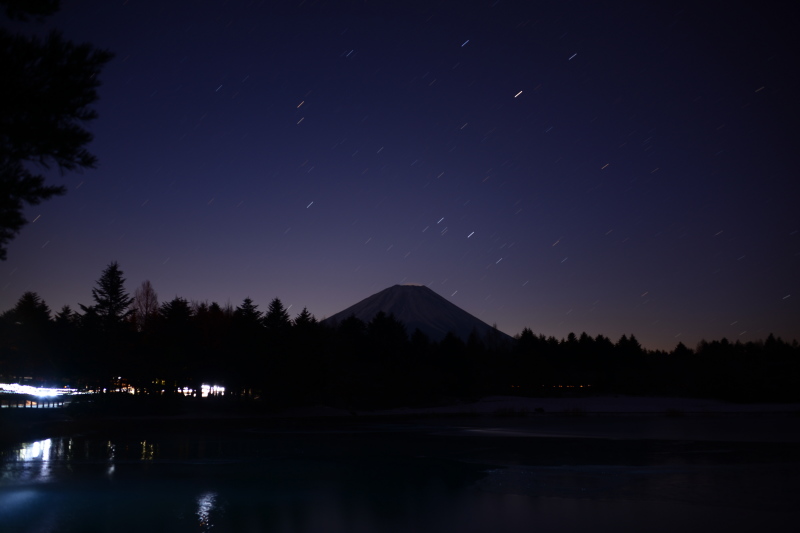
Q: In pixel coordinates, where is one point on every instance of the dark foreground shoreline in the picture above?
(505, 436)
(611, 417)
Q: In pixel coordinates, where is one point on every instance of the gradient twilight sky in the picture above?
(607, 167)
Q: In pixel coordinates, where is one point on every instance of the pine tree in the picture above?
(65, 317)
(28, 338)
(277, 319)
(48, 87)
(247, 315)
(112, 302)
(305, 320)
(31, 311)
(246, 349)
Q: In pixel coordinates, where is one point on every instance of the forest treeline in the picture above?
(157, 348)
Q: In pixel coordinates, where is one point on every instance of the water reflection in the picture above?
(29, 462)
(206, 503)
(328, 483)
(39, 450)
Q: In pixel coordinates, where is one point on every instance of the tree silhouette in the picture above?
(246, 364)
(277, 320)
(304, 320)
(176, 344)
(277, 362)
(22, 9)
(308, 366)
(112, 302)
(27, 336)
(213, 329)
(105, 334)
(247, 315)
(65, 341)
(31, 311)
(45, 98)
(177, 312)
(279, 369)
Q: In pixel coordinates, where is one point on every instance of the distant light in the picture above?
(465, 43)
(35, 391)
(519, 93)
(211, 389)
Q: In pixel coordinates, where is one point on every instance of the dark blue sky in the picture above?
(565, 166)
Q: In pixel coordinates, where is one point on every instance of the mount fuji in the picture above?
(418, 307)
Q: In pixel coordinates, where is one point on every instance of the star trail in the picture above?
(561, 166)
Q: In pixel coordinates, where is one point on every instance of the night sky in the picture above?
(607, 167)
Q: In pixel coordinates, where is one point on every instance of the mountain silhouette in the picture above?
(418, 307)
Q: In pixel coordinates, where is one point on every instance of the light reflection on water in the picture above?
(205, 504)
(36, 450)
(36, 458)
(252, 484)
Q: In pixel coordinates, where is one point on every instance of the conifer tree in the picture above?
(112, 302)
(26, 337)
(48, 87)
(247, 315)
(31, 311)
(277, 318)
(305, 320)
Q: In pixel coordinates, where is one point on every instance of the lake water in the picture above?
(469, 476)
